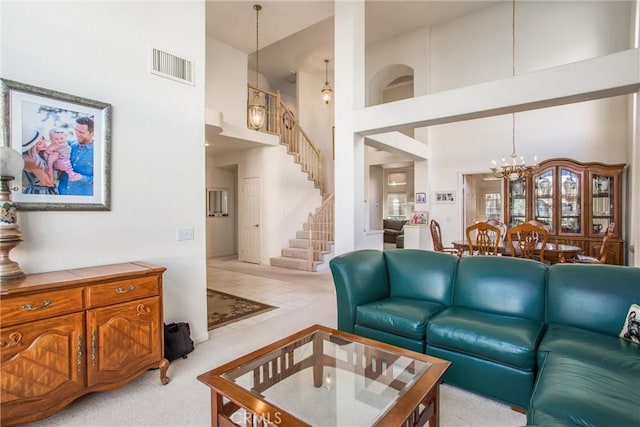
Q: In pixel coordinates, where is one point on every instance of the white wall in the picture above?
(101, 53)
(375, 197)
(316, 118)
(226, 91)
(287, 195)
(414, 54)
(349, 148)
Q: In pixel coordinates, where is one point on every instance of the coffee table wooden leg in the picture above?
(216, 408)
(317, 360)
(435, 418)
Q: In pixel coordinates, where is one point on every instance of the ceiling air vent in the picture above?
(170, 66)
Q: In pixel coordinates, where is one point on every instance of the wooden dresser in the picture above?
(67, 333)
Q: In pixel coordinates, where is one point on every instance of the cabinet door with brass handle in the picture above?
(124, 338)
(50, 348)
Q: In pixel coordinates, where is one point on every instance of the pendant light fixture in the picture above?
(326, 89)
(515, 168)
(256, 109)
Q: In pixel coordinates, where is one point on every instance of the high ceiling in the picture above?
(298, 35)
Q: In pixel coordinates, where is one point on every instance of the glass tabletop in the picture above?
(328, 380)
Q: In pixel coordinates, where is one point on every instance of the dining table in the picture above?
(555, 253)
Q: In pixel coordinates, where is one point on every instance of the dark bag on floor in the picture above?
(177, 340)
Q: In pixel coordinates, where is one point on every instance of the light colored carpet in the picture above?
(186, 402)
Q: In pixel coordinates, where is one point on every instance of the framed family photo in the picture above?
(65, 142)
(419, 217)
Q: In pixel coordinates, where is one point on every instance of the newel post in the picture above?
(310, 247)
(278, 113)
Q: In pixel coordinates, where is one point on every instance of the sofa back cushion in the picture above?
(359, 277)
(501, 285)
(394, 224)
(593, 297)
(420, 274)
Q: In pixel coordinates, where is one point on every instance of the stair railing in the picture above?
(299, 144)
(321, 229)
(280, 120)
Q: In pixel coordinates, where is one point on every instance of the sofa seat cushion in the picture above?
(584, 393)
(598, 348)
(402, 316)
(507, 340)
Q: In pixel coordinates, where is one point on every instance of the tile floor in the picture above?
(288, 290)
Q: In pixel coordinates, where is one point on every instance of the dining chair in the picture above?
(436, 236)
(486, 240)
(524, 238)
(501, 225)
(602, 258)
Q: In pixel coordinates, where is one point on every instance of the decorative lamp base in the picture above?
(9, 239)
(9, 230)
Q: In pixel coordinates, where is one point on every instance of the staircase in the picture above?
(311, 245)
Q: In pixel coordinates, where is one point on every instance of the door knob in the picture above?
(257, 225)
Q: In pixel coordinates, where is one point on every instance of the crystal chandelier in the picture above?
(515, 168)
(256, 106)
(326, 89)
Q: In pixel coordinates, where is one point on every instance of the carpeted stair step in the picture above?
(292, 263)
(302, 234)
(299, 243)
(295, 253)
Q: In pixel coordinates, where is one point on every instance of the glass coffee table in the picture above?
(325, 377)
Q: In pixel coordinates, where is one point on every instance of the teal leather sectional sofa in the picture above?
(543, 338)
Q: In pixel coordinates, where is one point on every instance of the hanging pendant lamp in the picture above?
(256, 109)
(326, 89)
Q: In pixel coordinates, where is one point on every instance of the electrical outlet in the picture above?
(185, 233)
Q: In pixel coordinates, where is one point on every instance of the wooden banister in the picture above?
(280, 120)
(321, 229)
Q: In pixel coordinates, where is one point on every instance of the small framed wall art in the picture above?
(419, 217)
(444, 197)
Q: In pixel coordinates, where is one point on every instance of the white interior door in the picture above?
(470, 200)
(250, 244)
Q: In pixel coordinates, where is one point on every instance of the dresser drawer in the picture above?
(121, 290)
(25, 308)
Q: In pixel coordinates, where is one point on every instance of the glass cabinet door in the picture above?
(570, 202)
(517, 202)
(602, 203)
(543, 198)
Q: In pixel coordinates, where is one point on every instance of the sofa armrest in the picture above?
(359, 277)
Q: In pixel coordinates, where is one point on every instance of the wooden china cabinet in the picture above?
(576, 201)
(67, 333)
